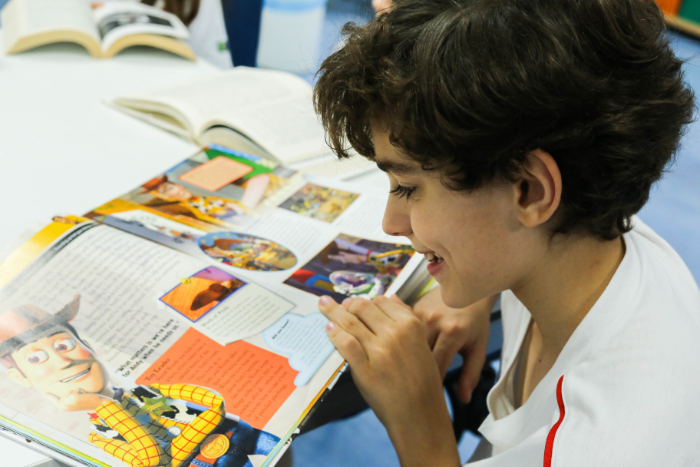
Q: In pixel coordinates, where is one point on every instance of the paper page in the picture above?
(41, 16)
(217, 98)
(288, 129)
(115, 20)
(104, 301)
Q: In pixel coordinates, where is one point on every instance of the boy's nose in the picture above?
(397, 219)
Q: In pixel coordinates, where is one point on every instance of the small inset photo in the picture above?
(319, 202)
(195, 296)
(247, 251)
(352, 267)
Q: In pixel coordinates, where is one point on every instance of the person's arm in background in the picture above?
(381, 5)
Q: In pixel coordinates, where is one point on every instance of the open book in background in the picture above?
(261, 112)
(189, 304)
(104, 29)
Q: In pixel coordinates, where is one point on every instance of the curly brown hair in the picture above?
(470, 87)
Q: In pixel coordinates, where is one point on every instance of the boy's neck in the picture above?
(570, 279)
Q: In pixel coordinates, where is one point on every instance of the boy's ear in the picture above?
(538, 188)
(19, 378)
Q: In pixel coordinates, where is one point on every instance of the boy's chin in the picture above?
(456, 297)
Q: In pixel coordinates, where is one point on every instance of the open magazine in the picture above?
(177, 325)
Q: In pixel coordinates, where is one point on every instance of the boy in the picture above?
(520, 138)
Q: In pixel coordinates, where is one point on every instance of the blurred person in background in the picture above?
(222, 32)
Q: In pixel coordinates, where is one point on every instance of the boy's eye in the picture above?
(37, 357)
(401, 191)
(65, 345)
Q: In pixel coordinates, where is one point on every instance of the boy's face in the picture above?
(483, 247)
(59, 365)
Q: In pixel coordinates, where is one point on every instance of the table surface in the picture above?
(63, 151)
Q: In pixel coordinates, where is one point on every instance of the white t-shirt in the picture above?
(208, 37)
(625, 390)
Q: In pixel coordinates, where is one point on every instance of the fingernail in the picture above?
(330, 326)
(346, 301)
(325, 300)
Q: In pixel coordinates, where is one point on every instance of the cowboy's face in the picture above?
(174, 192)
(59, 365)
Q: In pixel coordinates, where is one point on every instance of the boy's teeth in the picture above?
(432, 258)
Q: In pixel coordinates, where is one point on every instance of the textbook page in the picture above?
(120, 310)
(272, 108)
(116, 20)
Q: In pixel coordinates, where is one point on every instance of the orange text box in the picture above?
(254, 382)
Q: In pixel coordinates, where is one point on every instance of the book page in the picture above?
(116, 20)
(273, 105)
(40, 16)
(288, 129)
(121, 315)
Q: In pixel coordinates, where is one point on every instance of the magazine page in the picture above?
(117, 19)
(307, 238)
(107, 352)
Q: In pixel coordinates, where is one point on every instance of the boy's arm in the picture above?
(452, 331)
(392, 365)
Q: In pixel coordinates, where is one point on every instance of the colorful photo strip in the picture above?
(319, 202)
(195, 296)
(352, 267)
(247, 251)
(214, 189)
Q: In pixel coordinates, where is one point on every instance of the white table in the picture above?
(61, 149)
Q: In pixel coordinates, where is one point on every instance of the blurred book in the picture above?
(104, 29)
(261, 112)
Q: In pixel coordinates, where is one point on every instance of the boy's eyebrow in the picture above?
(396, 168)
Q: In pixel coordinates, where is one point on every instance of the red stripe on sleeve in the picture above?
(553, 432)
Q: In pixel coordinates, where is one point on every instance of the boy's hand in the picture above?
(456, 330)
(392, 365)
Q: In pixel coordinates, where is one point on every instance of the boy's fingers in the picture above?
(444, 352)
(369, 313)
(393, 310)
(347, 344)
(395, 298)
(471, 372)
(343, 318)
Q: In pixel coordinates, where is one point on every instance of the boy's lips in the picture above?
(78, 376)
(435, 267)
(435, 262)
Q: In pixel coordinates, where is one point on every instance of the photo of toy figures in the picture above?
(319, 202)
(247, 251)
(196, 295)
(352, 267)
(174, 425)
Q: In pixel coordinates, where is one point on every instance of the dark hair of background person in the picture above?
(470, 87)
(186, 10)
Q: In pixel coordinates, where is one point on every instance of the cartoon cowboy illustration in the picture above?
(176, 425)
